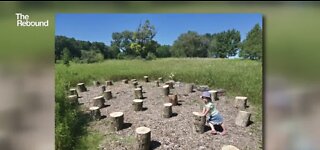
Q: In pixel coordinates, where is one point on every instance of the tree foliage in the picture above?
(252, 46)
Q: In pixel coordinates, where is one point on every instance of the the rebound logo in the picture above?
(23, 21)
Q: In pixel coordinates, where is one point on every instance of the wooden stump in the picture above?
(103, 88)
(165, 90)
(167, 110)
(189, 88)
(138, 93)
(73, 99)
(243, 118)
(199, 122)
(81, 87)
(95, 113)
(116, 122)
(135, 84)
(73, 92)
(146, 78)
(133, 80)
(173, 99)
(96, 83)
(137, 104)
(143, 138)
(214, 95)
(170, 83)
(160, 80)
(241, 102)
(125, 81)
(229, 147)
(109, 83)
(107, 94)
(98, 101)
(140, 86)
(157, 83)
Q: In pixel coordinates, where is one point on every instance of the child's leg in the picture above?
(224, 129)
(213, 131)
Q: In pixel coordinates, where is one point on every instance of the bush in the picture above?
(91, 56)
(151, 56)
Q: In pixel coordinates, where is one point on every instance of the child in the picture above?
(214, 116)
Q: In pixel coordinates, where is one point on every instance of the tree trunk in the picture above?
(243, 118)
(146, 78)
(173, 99)
(73, 92)
(241, 102)
(116, 122)
(73, 99)
(109, 83)
(143, 138)
(189, 88)
(166, 90)
(167, 110)
(107, 94)
(214, 95)
(81, 87)
(95, 113)
(199, 122)
(138, 93)
(98, 101)
(125, 81)
(96, 83)
(103, 88)
(157, 83)
(137, 104)
(160, 80)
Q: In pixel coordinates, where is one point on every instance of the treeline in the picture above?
(141, 44)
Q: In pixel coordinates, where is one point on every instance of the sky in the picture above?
(99, 27)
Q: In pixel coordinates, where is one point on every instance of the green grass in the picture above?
(89, 141)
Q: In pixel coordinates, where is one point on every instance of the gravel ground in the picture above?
(173, 133)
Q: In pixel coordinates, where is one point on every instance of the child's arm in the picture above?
(205, 111)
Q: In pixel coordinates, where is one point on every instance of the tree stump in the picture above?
(214, 95)
(107, 94)
(133, 80)
(241, 102)
(170, 83)
(135, 84)
(173, 99)
(137, 104)
(95, 113)
(125, 81)
(146, 78)
(103, 88)
(160, 80)
(73, 99)
(138, 93)
(243, 118)
(96, 83)
(229, 147)
(98, 101)
(157, 83)
(81, 87)
(189, 88)
(73, 92)
(139, 86)
(143, 138)
(166, 90)
(116, 122)
(199, 122)
(167, 110)
(109, 83)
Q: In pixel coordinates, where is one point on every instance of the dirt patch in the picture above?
(168, 133)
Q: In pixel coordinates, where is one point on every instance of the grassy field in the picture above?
(237, 77)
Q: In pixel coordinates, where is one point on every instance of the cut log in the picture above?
(116, 122)
(73, 92)
(137, 104)
(73, 99)
(243, 118)
(165, 90)
(95, 113)
(133, 80)
(240, 102)
(140, 86)
(160, 80)
(229, 147)
(157, 83)
(98, 101)
(81, 87)
(143, 138)
(109, 83)
(103, 88)
(167, 110)
(96, 83)
(138, 93)
(170, 83)
(146, 78)
(203, 88)
(125, 81)
(135, 84)
(199, 122)
(189, 88)
(214, 95)
(107, 94)
(173, 99)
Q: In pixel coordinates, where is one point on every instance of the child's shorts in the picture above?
(215, 119)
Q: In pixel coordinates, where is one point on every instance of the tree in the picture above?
(144, 37)
(252, 46)
(225, 44)
(121, 42)
(163, 51)
(66, 56)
